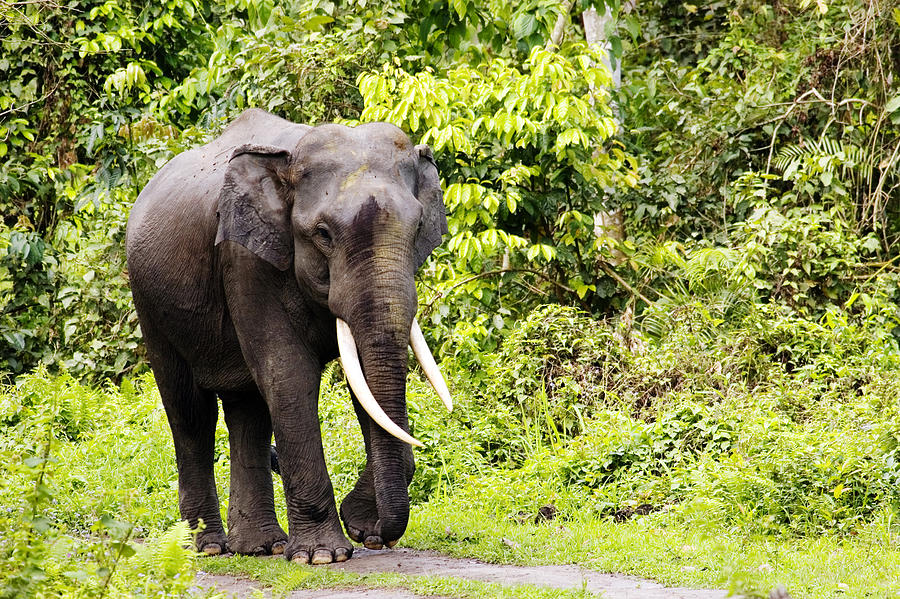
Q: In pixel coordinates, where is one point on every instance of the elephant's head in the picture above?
(354, 212)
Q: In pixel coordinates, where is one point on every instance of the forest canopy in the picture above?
(742, 155)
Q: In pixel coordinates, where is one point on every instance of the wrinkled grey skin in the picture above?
(241, 254)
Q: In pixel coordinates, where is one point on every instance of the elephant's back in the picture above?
(179, 202)
(173, 221)
(255, 126)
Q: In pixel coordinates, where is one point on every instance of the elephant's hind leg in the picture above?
(252, 525)
(192, 414)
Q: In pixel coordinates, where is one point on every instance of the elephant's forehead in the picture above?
(370, 139)
(350, 157)
(351, 179)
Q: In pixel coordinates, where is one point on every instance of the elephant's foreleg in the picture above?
(252, 524)
(287, 372)
(315, 533)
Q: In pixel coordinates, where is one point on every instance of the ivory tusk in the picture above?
(429, 366)
(357, 382)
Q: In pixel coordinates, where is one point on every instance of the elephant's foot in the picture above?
(322, 547)
(360, 516)
(211, 542)
(248, 540)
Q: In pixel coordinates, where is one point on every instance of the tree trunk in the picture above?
(607, 224)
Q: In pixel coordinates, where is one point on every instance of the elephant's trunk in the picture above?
(380, 316)
(391, 458)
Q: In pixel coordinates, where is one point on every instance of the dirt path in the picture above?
(429, 563)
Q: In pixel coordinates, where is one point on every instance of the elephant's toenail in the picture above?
(322, 556)
(278, 548)
(212, 549)
(342, 555)
(392, 543)
(373, 542)
(301, 557)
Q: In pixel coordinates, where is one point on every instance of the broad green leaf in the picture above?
(460, 7)
(523, 25)
(893, 104)
(317, 22)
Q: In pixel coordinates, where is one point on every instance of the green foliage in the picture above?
(125, 87)
(111, 448)
(753, 128)
(164, 566)
(805, 259)
(58, 59)
(524, 155)
(69, 301)
(63, 529)
(27, 283)
(298, 59)
(556, 367)
(778, 426)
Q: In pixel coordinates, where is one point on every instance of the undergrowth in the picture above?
(775, 429)
(71, 477)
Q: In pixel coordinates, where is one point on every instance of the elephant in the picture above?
(254, 261)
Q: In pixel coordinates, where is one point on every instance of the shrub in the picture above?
(75, 463)
(556, 366)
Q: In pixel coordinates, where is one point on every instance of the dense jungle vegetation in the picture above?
(667, 306)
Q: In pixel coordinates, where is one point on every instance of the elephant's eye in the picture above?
(323, 235)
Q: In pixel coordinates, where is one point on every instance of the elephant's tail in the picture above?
(273, 459)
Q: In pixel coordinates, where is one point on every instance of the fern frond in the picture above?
(711, 267)
(168, 555)
(825, 154)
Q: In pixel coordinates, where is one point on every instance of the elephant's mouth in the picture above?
(357, 381)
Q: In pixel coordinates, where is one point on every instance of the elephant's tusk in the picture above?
(426, 360)
(357, 382)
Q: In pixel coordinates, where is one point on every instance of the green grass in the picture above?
(668, 549)
(656, 546)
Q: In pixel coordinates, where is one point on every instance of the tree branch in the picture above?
(491, 273)
(611, 273)
(560, 27)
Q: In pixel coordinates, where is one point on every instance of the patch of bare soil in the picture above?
(429, 563)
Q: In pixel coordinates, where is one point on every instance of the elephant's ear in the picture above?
(434, 218)
(253, 205)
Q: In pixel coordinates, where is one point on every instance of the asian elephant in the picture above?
(254, 261)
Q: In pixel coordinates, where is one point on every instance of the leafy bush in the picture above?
(525, 150)
(805, 257)
(28, 282)
(72, 503)
(704, 422)
(556, 366)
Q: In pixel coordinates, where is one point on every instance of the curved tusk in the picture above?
(426, 360)
(357, 382)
